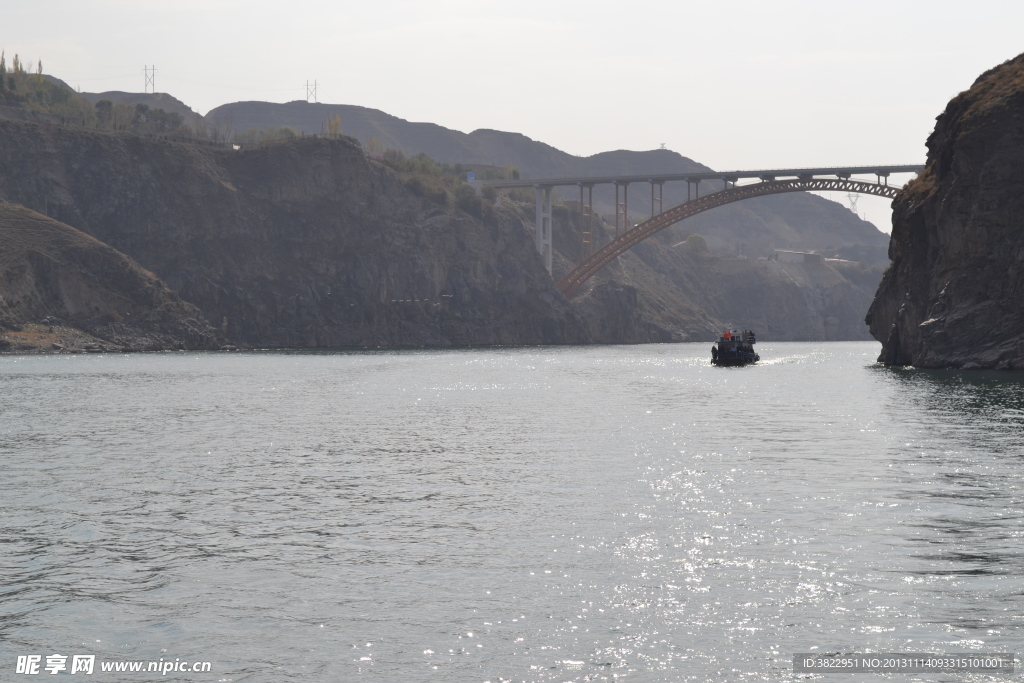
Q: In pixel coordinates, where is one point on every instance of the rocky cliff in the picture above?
(952, 296)
(298, 244)
(63, 290)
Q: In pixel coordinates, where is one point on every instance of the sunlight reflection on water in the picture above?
(542, 514)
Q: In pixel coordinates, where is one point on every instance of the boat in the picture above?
(734, 348)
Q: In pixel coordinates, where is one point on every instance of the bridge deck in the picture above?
(731, 176)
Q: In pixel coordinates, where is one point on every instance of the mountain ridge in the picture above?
(753, 228)
(156, 100)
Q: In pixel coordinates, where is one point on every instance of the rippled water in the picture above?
(543, 514)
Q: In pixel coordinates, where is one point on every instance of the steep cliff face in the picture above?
(63, 290)
(299, 244)
(952, 296)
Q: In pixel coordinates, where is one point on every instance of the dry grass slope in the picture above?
(62, 288)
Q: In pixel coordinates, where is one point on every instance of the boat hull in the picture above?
(734, 362)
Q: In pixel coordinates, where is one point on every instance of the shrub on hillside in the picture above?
(467, 199)
(428, 187)
(696, 244)
(256, 136)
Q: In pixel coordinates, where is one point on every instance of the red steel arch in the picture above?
(623, 243)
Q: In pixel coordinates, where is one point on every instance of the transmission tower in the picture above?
(150, 74)
(852, 197)
(311, 92)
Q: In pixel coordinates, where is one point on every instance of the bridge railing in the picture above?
(698, 176)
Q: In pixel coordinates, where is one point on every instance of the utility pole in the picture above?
(311, 92)
(853, 198)
(150, 73)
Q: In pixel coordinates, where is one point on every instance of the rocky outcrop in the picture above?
(63, 290)
(952, 296)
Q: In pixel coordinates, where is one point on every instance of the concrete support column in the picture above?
(621, 208)
(656, 198)
(586, 222)
(543, 230)
(625, 208)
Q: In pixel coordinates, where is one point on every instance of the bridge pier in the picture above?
(542, 233)
(692, 185)
(586, 222)
(656, 200)
(621, 208)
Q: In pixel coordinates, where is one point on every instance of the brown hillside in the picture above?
(59, 286)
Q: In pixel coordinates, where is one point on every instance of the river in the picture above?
(528, 514)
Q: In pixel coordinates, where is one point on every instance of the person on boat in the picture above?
(714, 354)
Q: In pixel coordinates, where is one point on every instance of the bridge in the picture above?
(772, 181)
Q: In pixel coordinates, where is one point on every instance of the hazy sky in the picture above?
(735, 85)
